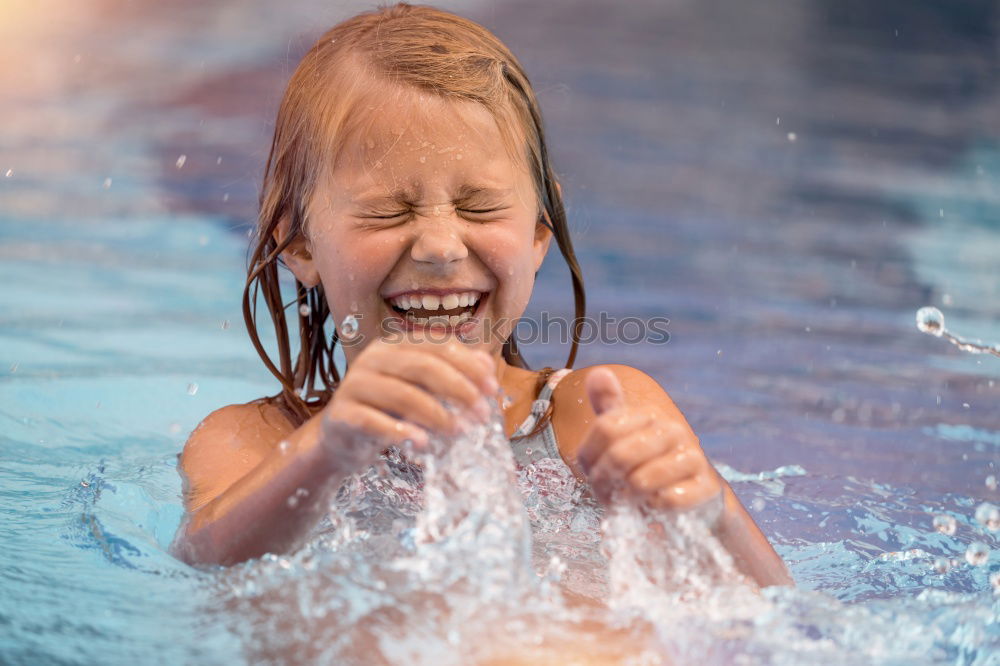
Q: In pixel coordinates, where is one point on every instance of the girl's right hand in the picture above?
(396, 391)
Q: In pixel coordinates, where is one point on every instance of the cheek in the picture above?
(510, 256)
(350, 279)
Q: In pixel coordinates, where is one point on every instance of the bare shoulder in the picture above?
(572, 413)
(226, 445)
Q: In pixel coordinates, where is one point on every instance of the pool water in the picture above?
(787, 183)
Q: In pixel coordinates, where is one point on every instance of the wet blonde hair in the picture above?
(418, 46)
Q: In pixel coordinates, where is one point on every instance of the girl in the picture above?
(409, 185)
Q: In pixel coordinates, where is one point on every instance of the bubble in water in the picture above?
(977, 553)
(930, 321)
(192, 388)
(180, 161)
(304, 310)
(349, 327)
(944, 524)
(941, 565)
(988, 516)
(991, 482)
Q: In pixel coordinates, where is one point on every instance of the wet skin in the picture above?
(427, 200)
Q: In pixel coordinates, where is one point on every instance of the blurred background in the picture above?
(787, 181)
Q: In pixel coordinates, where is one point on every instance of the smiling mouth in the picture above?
(447, 310)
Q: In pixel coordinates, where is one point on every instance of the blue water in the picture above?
(790, 271)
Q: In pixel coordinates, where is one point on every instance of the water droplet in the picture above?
(528, 451)
(10, 172)
(941, 565)
(944, 524)
(292, 501)
(192, 388)
(930, 321)
(988, 516)
(977, 553)
(180, 161)
(991, 482)
(349, 327)
(283, 446)
(84, 484)
(792, 136)
(302, 492)
(304, 310)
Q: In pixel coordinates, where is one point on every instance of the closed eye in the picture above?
(386, 216)
(479, 211)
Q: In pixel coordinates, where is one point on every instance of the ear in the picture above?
(543, 235)
(297, 255)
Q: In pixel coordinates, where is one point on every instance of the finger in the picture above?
(402, 399)
(604, 391)
(475, 364)
(382, 427)
(440, 378)
(663, 472)
(607, 429)
(686, 494)
(619, 459)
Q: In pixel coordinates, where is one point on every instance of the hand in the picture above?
(655, 458)
(396, 391)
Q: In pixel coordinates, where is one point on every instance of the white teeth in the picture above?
(438, 321)
(454, 320)
(434, 302)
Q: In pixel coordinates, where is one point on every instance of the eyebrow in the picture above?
(403, 195)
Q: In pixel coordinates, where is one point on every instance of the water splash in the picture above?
(349, 328)
(455, 556)
(930, 320)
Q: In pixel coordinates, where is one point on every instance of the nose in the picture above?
(438, 242)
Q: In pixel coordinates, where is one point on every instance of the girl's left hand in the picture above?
(654, 457)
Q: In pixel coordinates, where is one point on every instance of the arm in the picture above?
(239, 482)
(257, 485)
(625, 428)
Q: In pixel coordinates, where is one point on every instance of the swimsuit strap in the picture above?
(542, 403)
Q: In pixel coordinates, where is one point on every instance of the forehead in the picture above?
(403, 129)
